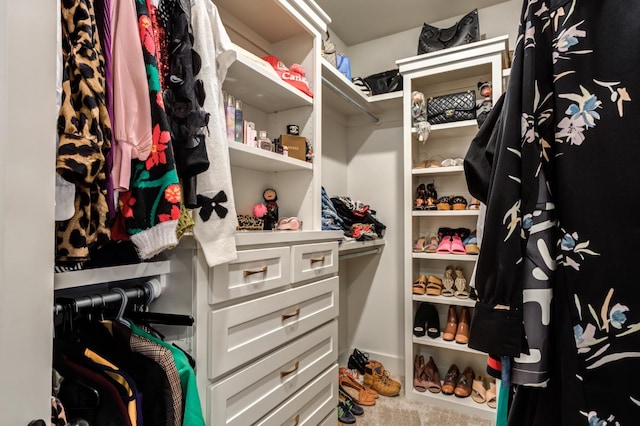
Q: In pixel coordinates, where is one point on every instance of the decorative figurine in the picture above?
(270, 201)
(485, 103)
(419, 115)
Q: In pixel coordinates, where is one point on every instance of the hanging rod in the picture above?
(347, 98)
(360, 253)
(146, 292)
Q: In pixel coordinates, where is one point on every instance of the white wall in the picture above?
(372, 287)
(380, 54)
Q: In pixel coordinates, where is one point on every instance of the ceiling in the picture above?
(357, 21)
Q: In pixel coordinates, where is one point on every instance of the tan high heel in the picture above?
(478, 391)
(419, 383)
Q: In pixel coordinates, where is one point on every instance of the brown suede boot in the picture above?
(377, 378)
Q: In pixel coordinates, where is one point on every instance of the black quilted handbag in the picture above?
(467, 30)
(453, 107)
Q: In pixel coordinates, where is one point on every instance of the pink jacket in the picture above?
(131, 106)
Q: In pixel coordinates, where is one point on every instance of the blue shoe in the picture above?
(350, 404)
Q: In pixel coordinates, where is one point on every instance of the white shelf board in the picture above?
(448, 130)
(437, 170)
(446, 256)
(444, 300)
(258, 85)
(84, 277)
(444, 213)
(464, 405)
(355, 246)
(250, 238)
(250, 157)
(357, 102)
(438, 342)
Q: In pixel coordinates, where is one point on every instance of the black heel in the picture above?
(426, 321)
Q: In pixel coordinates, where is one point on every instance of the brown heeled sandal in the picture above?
(419, 383)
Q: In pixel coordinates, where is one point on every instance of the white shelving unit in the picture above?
(72, 279)
(449, 71)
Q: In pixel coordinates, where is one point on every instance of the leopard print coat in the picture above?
(85, 133)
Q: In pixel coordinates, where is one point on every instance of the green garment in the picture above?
(192, 408)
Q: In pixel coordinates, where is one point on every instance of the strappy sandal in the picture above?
(419, 285)
(460, 284)
(434, 286)
(448, 282)
(491, 394)
(478, 391)
(418, 247)
(432, 246)
(474, 204)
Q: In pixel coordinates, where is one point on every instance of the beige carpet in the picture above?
(399, 411)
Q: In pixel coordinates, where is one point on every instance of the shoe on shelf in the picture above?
(432, 244)
(377, 378)
(419, 203)
(344, 415)
(451, 380)
(491, 393)
(443, 203)
(471, 244)
(462, 331)
(458, 203)
(465, 382)
(433, 376)
(448, 282)
(460, 284)
(419, 378)
(478, 391)
(418, 247)
(426, 321)
(456, 245)
(474, 204)
(419, 286)
(451, 328)
(434, 286)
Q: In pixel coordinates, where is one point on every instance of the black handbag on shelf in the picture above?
(467, 30)
(453, 107)
(384, 82)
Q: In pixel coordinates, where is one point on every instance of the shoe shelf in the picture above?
(445, 213)
(443, 300)
(253, 158)
(450, 129)
(437, 170)
(442, 256)
(434, 74)
(466, 405)
(439, 342)
(84, 277)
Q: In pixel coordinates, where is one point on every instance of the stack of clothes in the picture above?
(356, 219)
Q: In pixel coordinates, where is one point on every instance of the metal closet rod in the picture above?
(347, 98)
(134, 294)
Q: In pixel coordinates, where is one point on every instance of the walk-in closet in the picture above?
(316, 212)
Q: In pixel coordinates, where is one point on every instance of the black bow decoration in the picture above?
(208, 205)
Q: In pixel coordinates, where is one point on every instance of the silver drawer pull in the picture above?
(287, 316)
(316, 260)
(297, 420)
(293, 370)
(248, 272)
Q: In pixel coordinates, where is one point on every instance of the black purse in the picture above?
(384, 82)
(467, 30)
(450, 108)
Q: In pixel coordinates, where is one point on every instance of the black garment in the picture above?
(554, 273)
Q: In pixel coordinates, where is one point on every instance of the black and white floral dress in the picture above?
(559, 270)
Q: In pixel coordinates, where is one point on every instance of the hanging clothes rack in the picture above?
(144, 293)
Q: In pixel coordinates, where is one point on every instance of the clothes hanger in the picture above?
(123, 305)
(152, 291)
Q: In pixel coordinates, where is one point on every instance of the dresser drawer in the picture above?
(244, 331)
(250, 394)
(314, 260)
(252, 272)
(310, 406)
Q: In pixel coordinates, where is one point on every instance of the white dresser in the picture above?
(270, 335)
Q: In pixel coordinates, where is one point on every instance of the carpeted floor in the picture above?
(399, 411)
